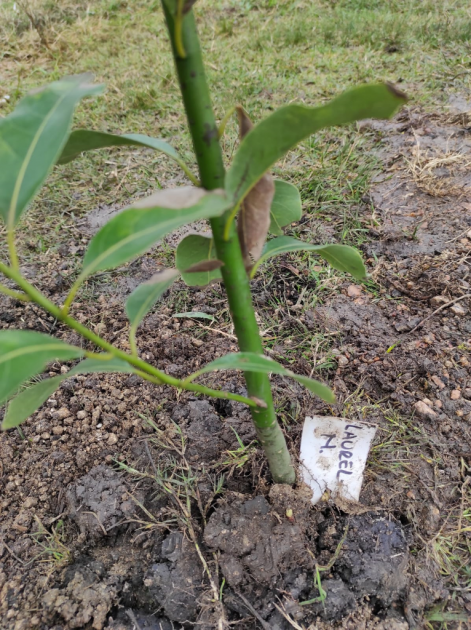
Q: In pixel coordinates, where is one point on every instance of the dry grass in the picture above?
(425, 168)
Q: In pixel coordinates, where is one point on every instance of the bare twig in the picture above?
(12, 553)
(132, 617)
(146, 444)
(440, 308)
(249, 606)
(35, 23)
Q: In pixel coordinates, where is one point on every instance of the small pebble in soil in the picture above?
(438, 300)
(438, 382)
(354, 291)
(423, 410)
(455, 394)
(457, 309)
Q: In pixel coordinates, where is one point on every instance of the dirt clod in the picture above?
(99, 501)
(176, 584)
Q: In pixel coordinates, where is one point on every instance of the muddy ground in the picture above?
(127, 506)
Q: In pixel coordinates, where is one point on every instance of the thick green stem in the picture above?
(205, 136)
(155, 376)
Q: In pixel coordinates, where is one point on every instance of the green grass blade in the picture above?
(196, 314)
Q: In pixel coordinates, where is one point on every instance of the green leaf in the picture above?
(192, 250)
(286, 207)
(273, 137)
(196, 314)
(32, 138)
(26, 403)
(173, 4)
(82, 140)
(340, 257)
(134, 231)
(24, 354)
(251, 362)
(140, 302)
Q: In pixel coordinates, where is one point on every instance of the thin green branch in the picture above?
(132, 339)
(144, 367)
(71, 295)
(14, 294)
(193, 179)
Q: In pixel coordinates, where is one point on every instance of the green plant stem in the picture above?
(71, 295)
(194, 180)
(13, 294)
(156, 375)
(205, 136)
(230, 220)
(12, 248)
(132, 339)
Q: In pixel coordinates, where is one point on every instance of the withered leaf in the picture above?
(205, 265)
(254, 217)
(187, 6)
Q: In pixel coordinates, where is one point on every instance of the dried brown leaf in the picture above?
(254, 217)
(187, 6)
(205, 265)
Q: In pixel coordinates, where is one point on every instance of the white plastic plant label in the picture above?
(333, 456)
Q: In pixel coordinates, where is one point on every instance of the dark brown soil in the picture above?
(110, 522)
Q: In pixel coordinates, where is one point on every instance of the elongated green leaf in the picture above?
(135, 230)
(285, 128)
(196, 314)
(195, 249)
(251, 362)
(31, 139)
(28, 401)
(140, 302)
(24, 354)
(173, 4)
(341, 257)
(82, 140)
(286, 207)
